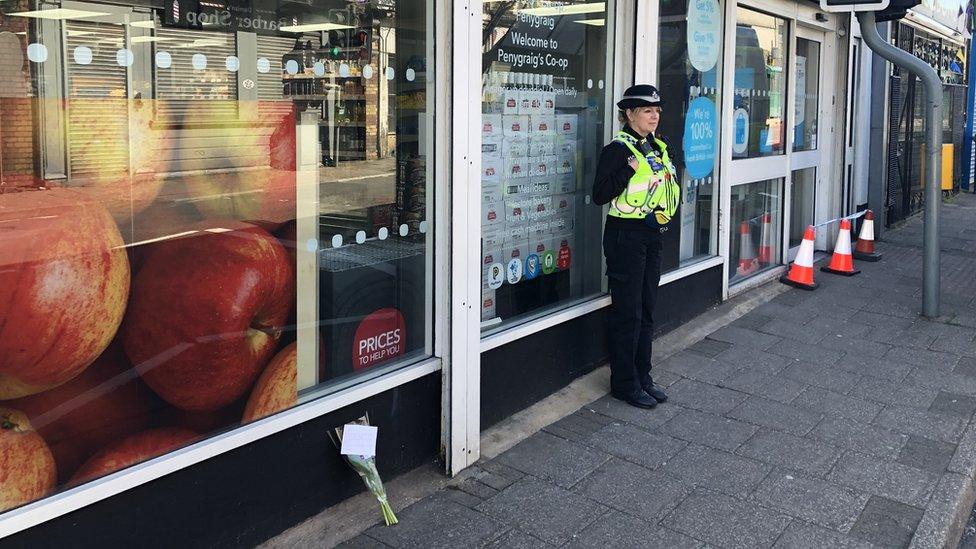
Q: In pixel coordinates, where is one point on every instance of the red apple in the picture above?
(131, 450)
(277, 388)
(27, 469)
(206, 314)
(64, 282)
(106, 402)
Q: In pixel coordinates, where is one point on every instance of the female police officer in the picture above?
(636, 177)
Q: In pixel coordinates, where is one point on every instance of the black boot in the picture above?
(656, 392)
(640, 400)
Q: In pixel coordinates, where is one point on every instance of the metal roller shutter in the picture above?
(184, 92)
(98, 122)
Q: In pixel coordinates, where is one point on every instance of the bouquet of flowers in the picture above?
(366, 467)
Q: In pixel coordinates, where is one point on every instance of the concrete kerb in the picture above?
(345, 520)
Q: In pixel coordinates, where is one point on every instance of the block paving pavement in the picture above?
(834, 418)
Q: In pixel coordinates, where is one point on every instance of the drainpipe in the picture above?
(931, 269)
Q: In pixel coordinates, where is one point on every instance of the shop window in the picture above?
(802, 203)
(759, 116)
(757, 225)
(690, 62)
(543, 125)
(807, 95)
(221, 223)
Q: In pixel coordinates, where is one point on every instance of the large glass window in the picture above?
(545, 85)
(690, 61)
(209, 213)
(807, 94)
(757, 223)
(759, 116)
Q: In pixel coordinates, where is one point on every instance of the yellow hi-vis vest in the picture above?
(652, 188)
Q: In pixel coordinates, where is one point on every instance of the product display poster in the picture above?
(704, 33)
(699, 141)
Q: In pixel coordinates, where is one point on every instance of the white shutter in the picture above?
(184, 92)
(98, 122)
(272, 48)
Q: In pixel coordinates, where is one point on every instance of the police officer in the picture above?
(636, 177)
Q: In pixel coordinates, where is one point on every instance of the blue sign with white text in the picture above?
(701, 123)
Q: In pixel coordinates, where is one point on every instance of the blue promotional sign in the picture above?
(704, 33)
(699, 140)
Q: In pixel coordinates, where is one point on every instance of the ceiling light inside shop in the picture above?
(566, 9)
(59, 13)
(313, 27)
(143, 24)
(79, 33)
(594, 22)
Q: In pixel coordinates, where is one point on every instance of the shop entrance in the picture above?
(807, 206)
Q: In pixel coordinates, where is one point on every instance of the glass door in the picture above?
(806, 159)
(759, 143)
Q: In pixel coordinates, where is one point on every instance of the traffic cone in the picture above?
(841, 262)
(801, 271)
(747, 257)
(766, 236)
(864, 247)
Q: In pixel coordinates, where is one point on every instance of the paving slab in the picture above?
(619, 530)
(695, 366)
(633, 490)
(704, 396)
(761, 384)
(810, 499)
(439, 522)
(788, 451)
(717, 470)
(635, 445)
(810, 353)
(639, 417)
(776, 415)
(954, 405)
(922, 423)
(861, 437)
(887, 523)
(884, 478)
(945, 516)
(883, 368)
(708, 429)
(895, 394)
(832, 404)
(726, 522)
(933, 360)
(551, 458)
(933, 456)
(516, 539)
(744, 337)
(800, 535)
(819, 375)
(541, 510)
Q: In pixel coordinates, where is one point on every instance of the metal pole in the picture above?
(931, 269)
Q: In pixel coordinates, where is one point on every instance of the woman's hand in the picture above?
(632, 162)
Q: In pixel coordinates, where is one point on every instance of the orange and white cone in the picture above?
(842, 262)
(864, 247)
(765, 240)
(801, 271)
(747, 256)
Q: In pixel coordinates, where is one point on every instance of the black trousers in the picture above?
(634, 271)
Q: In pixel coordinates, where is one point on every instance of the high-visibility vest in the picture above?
(652, 188)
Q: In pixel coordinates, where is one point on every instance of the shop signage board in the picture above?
(848, 6)
(231, 17)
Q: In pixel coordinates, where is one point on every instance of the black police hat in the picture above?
(641, 95)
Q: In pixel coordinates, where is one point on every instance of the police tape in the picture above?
(755, 220)
(835, 220)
